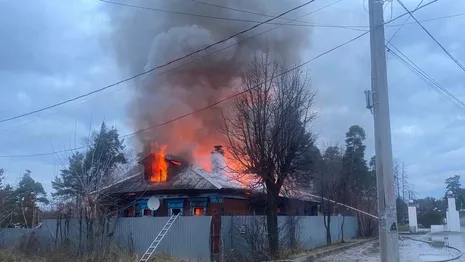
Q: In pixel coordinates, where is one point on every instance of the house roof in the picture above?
(194, 178)
(190, 177)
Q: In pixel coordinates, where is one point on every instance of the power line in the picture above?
(58, 112)
(204, 56)
(304, 23)
(237, 9)
(207, 55)
(420, 74)
(222, 100)
(146, 72)
(353, 27)
(157, 67)
(195, 15)
(400, 27)
(426, 78)
(432, 37)
(435, 85)
(254, 13)
(434, 19)
(204, 108)
(393, 25)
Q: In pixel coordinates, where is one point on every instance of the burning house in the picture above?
(181, 187)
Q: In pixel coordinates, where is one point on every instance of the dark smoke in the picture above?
(144, 39)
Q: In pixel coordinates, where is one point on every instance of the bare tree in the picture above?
(331, 184)
(403, 189)
(266, 128)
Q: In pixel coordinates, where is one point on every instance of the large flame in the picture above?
(159, 166)
(201, 158)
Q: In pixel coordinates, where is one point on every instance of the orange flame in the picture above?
(159, 166)
(202, 159)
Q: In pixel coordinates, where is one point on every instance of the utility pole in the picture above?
(388, 236)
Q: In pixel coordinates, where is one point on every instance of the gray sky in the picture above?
(52, 50)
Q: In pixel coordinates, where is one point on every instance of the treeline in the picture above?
(432, 211)
(102, 163)
(20, 204)
(342, 175)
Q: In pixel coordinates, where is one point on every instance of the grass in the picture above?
(288, 254)
(57, 256)
(403, 228)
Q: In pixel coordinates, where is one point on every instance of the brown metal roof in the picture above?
(190, 177)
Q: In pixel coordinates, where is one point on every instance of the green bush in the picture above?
(431, 217)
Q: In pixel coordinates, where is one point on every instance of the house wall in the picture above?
(228, 205)
(220, 205)
(296, 207)
(236, 206)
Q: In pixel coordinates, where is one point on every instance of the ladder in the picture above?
(159, 238)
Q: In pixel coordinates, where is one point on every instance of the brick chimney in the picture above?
(218, 163)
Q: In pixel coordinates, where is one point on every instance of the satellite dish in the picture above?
(153, 203)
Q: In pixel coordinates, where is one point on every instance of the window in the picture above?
(215, 199)
(199, 211)
(175, 207)
(147, 212)
(129, 212)
(137, 212)
(175, 211)
(198, 206)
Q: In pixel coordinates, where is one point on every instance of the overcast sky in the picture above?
(53, 50)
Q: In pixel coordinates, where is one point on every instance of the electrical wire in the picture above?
(157, 67)
(171, 62)
(400, 27)
(304, 23)
(352, 27)
(257, 13)
(195, 15)
(219, 101)
(426, 78)
(207, 107)
(199, 58)
(432, 37)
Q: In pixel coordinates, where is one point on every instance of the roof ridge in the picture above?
(209, 179)
(116, 183)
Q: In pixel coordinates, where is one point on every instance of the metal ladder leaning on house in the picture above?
(159, 238)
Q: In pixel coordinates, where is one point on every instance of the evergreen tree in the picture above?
(93, 169)
(8, 206)
(355, 166)
(27, 195)
(453, 184)
(361, 181)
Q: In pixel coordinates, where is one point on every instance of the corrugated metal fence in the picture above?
(189, 238)
(246, 236)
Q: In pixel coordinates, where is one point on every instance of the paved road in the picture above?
(410, 251)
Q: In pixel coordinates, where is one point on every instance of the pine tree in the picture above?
(93, 169)
(28, 195)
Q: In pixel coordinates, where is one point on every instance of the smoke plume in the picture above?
(143, 39)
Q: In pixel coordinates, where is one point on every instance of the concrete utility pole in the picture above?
(388, 236)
